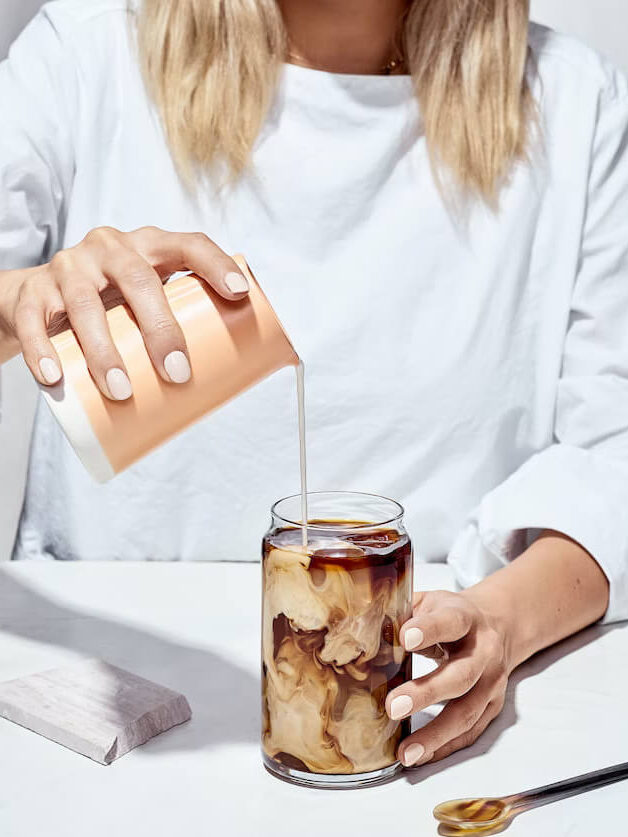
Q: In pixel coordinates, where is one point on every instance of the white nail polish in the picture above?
(50, 370)
(400, 707)
(118, 384)
(236, 283)
(413, 638)
(412, 753)
(177, 367)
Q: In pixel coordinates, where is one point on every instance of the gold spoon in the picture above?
(491, 815)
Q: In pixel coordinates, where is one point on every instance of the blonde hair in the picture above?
(212, 68)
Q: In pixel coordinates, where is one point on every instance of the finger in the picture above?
(37, 349)
(466, 739)
(456, 720)
(86, 314)
(142, 289)
(452, 680)
(445, 624)
(170, 252)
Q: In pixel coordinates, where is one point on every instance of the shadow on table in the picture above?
(225, 699)
(508, 716)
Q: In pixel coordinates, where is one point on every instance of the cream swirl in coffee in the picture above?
(330, 644)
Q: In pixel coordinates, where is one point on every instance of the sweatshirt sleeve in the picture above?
(38, 104)
(578, 485)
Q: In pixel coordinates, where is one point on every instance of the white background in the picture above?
(601, 23)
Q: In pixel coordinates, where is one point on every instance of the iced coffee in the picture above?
(332, 611)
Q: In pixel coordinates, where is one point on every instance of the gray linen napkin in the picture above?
(93, 707)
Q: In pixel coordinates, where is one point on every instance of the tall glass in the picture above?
(331, 615)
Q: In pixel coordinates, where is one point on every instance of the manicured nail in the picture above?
(400, 707)
(412, 753)
(50, 370)
(413, 638)
(118, 384)
(177, 366)
(236, 283)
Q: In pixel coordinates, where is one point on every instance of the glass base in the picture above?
(331, 781)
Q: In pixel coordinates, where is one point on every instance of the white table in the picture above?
(195, 628)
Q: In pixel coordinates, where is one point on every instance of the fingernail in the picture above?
(413, 638)
(400, 707)
(118, 384)
(236, 283)
(412, 753)
(50, 370)
(177, 366)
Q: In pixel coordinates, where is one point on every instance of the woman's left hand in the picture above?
(473, 678)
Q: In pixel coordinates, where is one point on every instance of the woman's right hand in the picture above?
(133, 264)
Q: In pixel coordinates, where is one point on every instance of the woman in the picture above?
(436, 200)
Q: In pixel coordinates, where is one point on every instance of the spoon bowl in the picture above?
(474, 813)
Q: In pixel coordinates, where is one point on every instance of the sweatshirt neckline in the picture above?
(377, 90)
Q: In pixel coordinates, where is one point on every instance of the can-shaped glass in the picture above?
(334, 599)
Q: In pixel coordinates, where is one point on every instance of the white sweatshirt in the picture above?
(478, 373)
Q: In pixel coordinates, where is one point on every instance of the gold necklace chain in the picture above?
(393, 66)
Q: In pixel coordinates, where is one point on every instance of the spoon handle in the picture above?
(570, 787)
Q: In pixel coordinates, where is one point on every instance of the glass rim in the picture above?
(358, 525)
